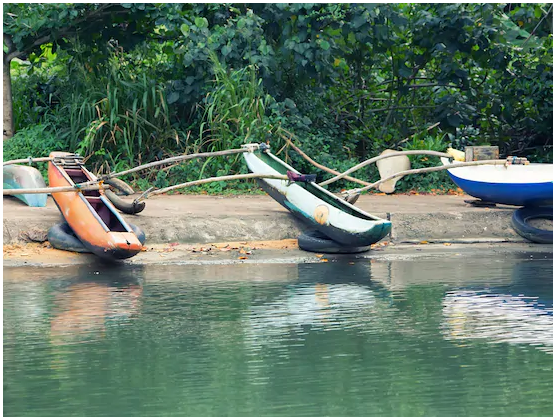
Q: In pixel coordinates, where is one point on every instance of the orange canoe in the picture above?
(92, 217)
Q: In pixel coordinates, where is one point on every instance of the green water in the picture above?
(451, 337)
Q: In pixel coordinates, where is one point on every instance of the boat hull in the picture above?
(317, 207)
(19, 176)
(93, 219)
(517, 185)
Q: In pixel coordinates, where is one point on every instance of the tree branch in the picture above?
(72, 27)
(9, 43)
(400, 107)
(12, 52)
(538, 24)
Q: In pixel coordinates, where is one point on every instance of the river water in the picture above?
(431, 337)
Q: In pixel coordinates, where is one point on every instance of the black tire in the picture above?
(315, 241)
(125, 206)
(523, 215)
(61, 236)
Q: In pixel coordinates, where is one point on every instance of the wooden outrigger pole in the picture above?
(50, 190)
(28, 160)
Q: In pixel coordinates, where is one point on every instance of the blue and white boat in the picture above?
(517, 185)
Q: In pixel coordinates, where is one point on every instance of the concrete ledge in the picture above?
(203, 219)
(463, 226)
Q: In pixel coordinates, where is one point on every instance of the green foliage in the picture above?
(347, 80)
(124, 116)
(35, 141)
(439, 180)
(29, 26)
(234, 110)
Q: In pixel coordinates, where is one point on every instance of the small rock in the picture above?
(34, 235)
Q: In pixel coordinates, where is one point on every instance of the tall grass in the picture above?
(234, 111)
(120, 118)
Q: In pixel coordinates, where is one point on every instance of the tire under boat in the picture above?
(337, 219)
(91, 216)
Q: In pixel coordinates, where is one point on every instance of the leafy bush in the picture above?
(345, 81)
(35, 141)
(439, 180)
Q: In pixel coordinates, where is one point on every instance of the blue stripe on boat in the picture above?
(529, 194)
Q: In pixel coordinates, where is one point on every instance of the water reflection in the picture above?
(497, 318)
(341, 298)
(367, 297)
(83, 307)
(82, 310)
(320, 307)
(346, 338)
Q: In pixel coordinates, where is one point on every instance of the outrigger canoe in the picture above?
(518, 185)
(20, 176)
(336, 218)
(91, 216)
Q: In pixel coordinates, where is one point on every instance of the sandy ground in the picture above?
(44, 254)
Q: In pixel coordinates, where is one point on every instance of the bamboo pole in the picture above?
(214, 179)
(50, 190)
(170, 160)
(424, 170)
(407, 138)
(318, 165)
(27, 160)
(376, 158)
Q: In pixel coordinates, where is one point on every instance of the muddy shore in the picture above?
(248, 252)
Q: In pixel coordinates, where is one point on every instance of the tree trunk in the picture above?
(8, 102)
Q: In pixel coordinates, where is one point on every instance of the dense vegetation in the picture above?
(125, 84)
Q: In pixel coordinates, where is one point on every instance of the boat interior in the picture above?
(315, 189)
(107, 215)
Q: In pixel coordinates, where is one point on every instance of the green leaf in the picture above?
(184, 28)
(462, 74)
(289, 103)
(173, 97)
(454, 120)
(358, 21)
(404, 71)
(201, 22)
(226, 50)
(325, 45)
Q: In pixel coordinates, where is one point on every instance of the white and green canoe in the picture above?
(320, 209)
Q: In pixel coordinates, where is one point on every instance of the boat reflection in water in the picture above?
(84, 308)
(524, 316)
(494, 301)
(320, 306)
(342, 299)
(497, 318)
(488, 300)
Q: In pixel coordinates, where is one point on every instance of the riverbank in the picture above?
(192, 219)
(246, 228)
